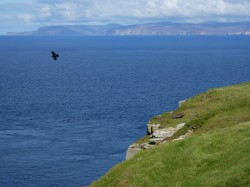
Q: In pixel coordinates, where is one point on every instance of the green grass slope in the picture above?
(217, 154)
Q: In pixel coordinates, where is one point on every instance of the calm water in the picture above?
(67, 122)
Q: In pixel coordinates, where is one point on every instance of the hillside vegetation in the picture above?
(216, 154)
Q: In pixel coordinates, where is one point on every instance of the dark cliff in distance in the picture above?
(70, 30)
(167, 28)
(148, 29)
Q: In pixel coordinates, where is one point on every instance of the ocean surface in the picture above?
(67, 122)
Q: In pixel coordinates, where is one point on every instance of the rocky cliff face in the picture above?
(71, 30)
(180, 29)
(149, 29)
(157, 135)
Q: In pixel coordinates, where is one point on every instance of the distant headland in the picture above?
(147, 29)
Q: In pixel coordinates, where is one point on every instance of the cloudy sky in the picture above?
(25, 15)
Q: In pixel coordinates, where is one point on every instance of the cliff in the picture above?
(205, 142)
(70, 30)
(180, 29)
(148, 29)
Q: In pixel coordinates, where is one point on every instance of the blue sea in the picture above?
(67, 122)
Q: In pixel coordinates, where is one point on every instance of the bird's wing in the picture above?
(53, 53)
(55, 58)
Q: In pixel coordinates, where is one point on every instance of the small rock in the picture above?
(177, 116)
(145, 146)
(179, 126)
(151, 128)
(155, 140)
(196, 127)
(167, 132)
(181, 103)
(132, 150)
(163, 133)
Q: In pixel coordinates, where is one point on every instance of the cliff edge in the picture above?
(213, 133)
(148, 29)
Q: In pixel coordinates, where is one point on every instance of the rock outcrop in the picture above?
(181, 103)
(161, 134)
(132, 150)
(151, 128)
(157, 136)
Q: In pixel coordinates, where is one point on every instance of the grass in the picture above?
(217, 154)
(214, 109)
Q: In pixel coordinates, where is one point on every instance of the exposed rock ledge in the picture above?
(158, 135)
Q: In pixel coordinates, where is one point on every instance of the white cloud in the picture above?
(46, 12)
(120, 10)
(99, 10)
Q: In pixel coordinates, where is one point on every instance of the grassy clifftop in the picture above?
(216, 154)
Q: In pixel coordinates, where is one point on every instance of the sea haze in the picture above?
(67, 122)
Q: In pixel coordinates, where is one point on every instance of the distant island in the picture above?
(148, 29)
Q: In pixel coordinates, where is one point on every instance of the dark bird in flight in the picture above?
(54, 55)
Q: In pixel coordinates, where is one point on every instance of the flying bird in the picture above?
(54, 55)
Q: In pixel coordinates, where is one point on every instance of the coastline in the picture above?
(214, 129)
(157, 135)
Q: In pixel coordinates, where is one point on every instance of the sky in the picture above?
(27, 15)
